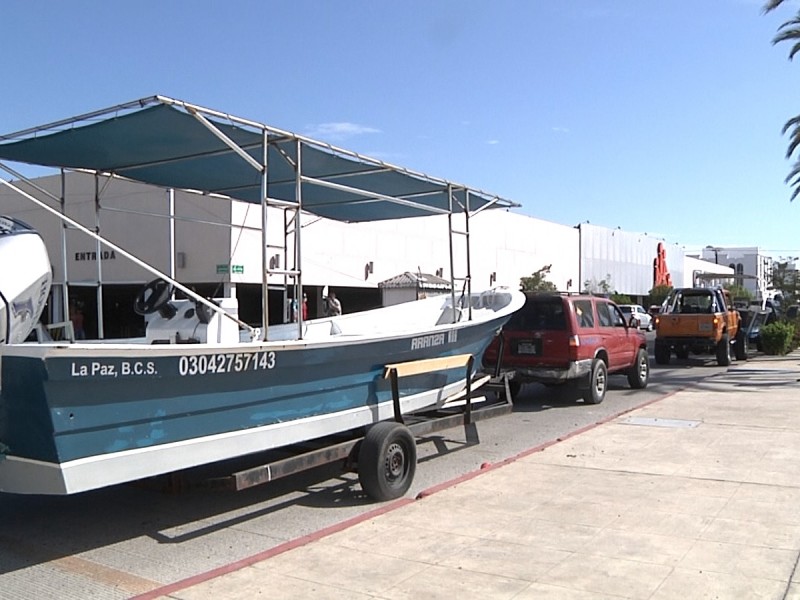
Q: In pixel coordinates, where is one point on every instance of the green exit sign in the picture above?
(235, 269)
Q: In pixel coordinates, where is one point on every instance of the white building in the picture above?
(752, 270)
(214, 245)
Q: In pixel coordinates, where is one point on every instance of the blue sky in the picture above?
(656, 117)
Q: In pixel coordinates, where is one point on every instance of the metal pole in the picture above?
(450, 241)
(298, 279)
(171, 202)
(99, 251)
(264, 258)
(469, 261)
(64, 287)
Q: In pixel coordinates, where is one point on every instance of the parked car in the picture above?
(638, 312)
(753, 319)
(569, 339)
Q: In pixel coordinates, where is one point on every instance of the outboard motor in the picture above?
(25, 279)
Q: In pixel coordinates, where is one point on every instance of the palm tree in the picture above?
(790, 31)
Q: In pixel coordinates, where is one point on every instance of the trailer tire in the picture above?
(514, 388)
(387, 461)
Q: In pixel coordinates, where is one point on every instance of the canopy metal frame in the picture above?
(346, 185)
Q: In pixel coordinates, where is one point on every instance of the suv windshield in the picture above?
(539, 314)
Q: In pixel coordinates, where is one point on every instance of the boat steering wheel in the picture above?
(152, 297)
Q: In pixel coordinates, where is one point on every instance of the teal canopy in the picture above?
(173, 144)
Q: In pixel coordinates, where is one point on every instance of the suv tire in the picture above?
(662, 353)
(724, 351)
(598, 381)
(639, 373)
(740, 347)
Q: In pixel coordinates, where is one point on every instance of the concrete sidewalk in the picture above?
(696, 495)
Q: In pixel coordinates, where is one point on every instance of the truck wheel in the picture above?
(639, 373)
(724, 351)
(740, 347)
(662, 353)
(387, 461)
(598, 380)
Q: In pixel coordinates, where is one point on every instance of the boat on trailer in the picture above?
(202, 386)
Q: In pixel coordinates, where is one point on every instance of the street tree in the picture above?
(785, 279)
(537, 282)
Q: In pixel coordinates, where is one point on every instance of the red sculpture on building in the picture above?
(661, 274)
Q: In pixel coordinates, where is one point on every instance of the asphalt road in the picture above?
(120, 541)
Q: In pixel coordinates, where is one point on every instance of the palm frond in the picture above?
(793, 178)
(794, 141)
(787, 34)
(771, 5)
(793, 122)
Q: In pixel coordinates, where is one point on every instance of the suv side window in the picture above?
(583, 311)
(618, 316)
(604, 315)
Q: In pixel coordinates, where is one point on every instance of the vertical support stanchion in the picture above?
(398, 414)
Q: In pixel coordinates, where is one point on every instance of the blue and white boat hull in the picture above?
(75, 417)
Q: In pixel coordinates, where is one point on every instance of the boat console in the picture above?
(188, 322)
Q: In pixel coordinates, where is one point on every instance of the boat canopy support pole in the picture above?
(264, 258)
(99, 261)
(296, 239)
(64, 287)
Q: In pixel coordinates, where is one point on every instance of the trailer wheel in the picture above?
(387, 461)
(514, 388)
(724, 351)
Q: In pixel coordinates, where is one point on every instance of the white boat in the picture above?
(202, 386)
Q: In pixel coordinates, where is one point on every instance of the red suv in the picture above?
(559, 338)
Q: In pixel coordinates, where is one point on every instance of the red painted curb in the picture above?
(322, 533)
(280, 549)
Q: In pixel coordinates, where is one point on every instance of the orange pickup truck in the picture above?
(699, 320)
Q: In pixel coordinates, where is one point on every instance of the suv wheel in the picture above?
(740, 348)
(598, 380)
(662, 353)
(724, 351)
(639, 373)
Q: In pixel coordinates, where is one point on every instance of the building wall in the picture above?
(624, 260)
(695, 267)
(753, 268)
(505, 246)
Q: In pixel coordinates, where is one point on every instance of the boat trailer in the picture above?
(384, 454)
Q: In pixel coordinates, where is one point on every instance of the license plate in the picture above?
(533, 347)
(705, 326)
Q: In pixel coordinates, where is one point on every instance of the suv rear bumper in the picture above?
(696, 341)
(576, 370)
